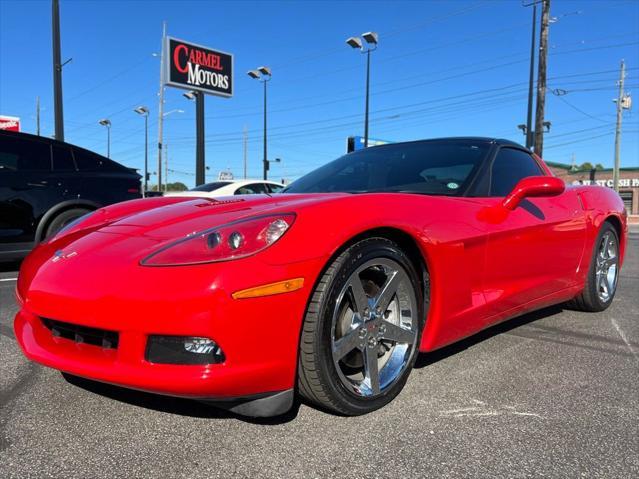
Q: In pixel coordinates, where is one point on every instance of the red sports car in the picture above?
(328, 290)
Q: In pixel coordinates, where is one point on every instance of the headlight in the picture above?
(223, 243)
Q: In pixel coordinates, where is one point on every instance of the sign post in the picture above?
(203, 71)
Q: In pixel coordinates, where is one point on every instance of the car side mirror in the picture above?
(533, 186)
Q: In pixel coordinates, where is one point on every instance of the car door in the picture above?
(26, 187)
(534, 250)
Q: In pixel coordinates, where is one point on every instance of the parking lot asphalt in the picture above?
(554, 393)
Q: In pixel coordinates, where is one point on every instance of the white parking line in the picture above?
(8, 279)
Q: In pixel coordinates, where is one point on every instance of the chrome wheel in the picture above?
(607, 267)
(374, 327)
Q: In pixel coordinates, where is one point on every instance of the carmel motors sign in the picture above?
(194, 67)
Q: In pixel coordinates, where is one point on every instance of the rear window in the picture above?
(24, 155)
(88, 161)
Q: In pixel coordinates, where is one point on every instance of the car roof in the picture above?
(29, 136)
(454, 139)
(250, 182)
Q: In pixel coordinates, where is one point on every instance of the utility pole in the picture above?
(161, 107)
(57, 72)
(166, 168)
(531, 80)
(245, 149)
(620, 106)
(541, 78)
(38, 115)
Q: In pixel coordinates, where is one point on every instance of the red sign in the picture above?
(11, 123)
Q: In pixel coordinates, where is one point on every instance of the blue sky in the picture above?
(442, 68)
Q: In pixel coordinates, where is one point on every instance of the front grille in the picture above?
(82, 334)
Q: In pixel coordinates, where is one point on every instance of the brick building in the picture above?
(628, 181)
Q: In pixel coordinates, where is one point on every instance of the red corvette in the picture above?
(329, 289)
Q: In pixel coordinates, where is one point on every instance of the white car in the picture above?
(228, 188)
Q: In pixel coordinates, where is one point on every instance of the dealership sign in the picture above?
(623, 182)
(11, 123)
(194, 67)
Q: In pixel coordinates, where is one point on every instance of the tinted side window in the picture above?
(252, 189)
(62, 159)
(275, 188)
(87, 161)
(24, 155)
(509, 167)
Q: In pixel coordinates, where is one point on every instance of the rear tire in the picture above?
(601, 282)
(361, 329)
(63, 219)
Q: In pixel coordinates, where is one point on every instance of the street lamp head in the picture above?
(523, 128)
(354, 42)
(105, 122)
(190, 95)
(177, 110)
(142, 110)
(264, 71)
(278, 160)
(253, 74)
(370, 37)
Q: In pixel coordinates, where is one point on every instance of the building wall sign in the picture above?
(623, 182)
(11, 123)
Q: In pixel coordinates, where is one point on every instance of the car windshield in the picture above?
(211, 186)
(428, 167)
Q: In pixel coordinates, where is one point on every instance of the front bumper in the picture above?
(259, 336)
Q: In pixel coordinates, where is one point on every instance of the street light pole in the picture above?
(372, 40)
(161, 107)
(264, 75)
(265, 165)
(106, 122)
(144, 111)
(368, 77)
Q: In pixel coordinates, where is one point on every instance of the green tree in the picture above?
(177, 186)
(587, 166)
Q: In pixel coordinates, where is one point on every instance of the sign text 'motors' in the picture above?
(194, 67)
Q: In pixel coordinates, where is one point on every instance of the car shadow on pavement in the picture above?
(8, 266)
(174, 405)
(426, 359)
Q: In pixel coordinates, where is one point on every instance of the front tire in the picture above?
(361, 329)
(601, 283)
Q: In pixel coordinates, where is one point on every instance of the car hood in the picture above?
(180, 216)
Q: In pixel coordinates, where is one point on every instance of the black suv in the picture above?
(45, 184)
